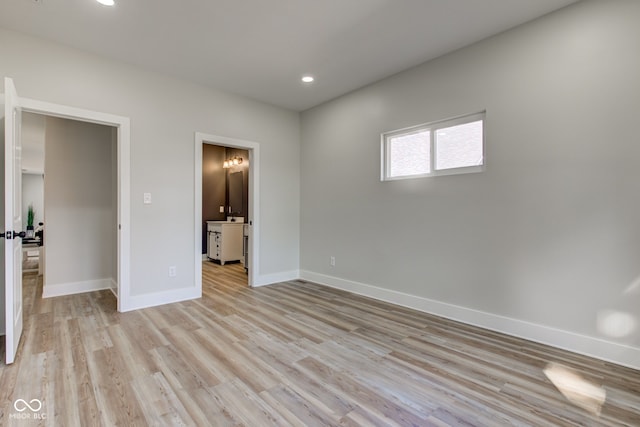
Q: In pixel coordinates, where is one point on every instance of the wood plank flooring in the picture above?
(297, 354)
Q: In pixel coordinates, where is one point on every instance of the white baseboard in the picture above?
(136, 302)
(590, 346)
(114, 287)
(60, 289)
(270, 279)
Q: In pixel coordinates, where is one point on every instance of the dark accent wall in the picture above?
(215, 188)
(244, 168)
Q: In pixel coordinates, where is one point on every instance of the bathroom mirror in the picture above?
(235, 193)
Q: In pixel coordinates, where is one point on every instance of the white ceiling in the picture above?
(261, 48)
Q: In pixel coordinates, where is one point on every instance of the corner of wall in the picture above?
(270, 279)
(137, 302)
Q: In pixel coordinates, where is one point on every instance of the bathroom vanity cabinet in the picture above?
(225, 241)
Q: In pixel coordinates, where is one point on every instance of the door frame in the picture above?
(123, 127)
(254, 201)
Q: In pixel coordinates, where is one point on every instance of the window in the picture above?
(441, 148)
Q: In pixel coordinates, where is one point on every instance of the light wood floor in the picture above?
(293, 354)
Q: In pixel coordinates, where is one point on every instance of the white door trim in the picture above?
(254, 201)
(124, 179)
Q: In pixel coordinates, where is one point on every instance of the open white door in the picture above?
(12, 220)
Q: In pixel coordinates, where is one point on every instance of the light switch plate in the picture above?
(147, 198)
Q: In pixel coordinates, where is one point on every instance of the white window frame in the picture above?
(432, 127)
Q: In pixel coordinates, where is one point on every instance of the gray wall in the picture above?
(550, 232)
(165, 112)
(80, 214)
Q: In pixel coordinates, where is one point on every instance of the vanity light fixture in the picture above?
(107, 2)
(307, 79)
(234, 161)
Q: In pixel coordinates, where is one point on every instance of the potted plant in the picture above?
(30, 216)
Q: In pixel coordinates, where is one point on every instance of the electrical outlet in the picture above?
(146, 198)
(332, 261)
(221, 209)
(172, 271)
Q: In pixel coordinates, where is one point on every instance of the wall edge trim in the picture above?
(70, 288)
(273, 278)
(137, 302)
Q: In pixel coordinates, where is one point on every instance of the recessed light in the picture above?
(307, 79)
(106, 2)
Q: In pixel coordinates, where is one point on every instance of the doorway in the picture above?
(225, 210)
(250, 234)
(32, 138)
(120, 130)
(75, 202)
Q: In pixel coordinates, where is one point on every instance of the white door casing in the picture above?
(254, 202)
(123, 126)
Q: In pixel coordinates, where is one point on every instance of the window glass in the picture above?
(459, 146)
(410, 154)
